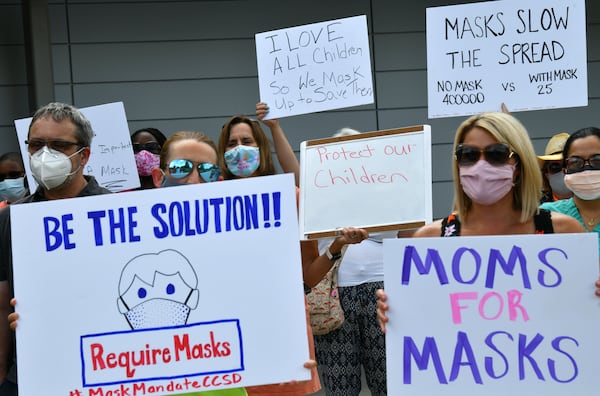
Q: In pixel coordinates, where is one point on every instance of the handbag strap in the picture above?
(336, 266)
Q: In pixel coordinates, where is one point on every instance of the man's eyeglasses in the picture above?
(11, 175)
(180, 168)
(63, 146)
(553, 168)
(577, 164)
(153, 147)
(496, 154)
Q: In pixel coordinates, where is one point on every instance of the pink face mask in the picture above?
(486, 184)
(586, 184)
(146, 161)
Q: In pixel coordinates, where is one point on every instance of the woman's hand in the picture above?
(351, 235)
(13, 317)
(382, 308)
(598, 287)
(262, 109)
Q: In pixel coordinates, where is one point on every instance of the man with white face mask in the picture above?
(58, 143)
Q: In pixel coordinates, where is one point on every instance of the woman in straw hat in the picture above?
(551, 164)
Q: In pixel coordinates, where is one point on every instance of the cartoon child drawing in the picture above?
(158, 290)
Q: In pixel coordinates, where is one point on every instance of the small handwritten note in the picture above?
(316, 67)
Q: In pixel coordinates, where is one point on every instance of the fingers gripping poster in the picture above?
(165, 291)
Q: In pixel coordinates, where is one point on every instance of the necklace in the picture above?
(592, 221)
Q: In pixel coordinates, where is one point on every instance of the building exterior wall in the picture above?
(192, 64)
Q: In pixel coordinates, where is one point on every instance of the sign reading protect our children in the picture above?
(160, 291)
(112, 162)
(530, 55)
(377, 180)
(493, 315)
(316, 67)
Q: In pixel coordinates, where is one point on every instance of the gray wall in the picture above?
(191, 64)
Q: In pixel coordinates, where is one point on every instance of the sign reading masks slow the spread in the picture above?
(530, 55)
(158, 290)
(493, 315)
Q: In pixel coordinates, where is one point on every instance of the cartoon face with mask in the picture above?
(158, 290)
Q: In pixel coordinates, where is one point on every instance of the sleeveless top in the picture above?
(542, 221)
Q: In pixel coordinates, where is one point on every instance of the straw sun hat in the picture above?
(554, 148)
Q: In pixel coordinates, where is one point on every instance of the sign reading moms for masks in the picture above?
(112, 162)
(528, 54)
(155, 291)
(316, 67)
(378, 180)
(494, 315)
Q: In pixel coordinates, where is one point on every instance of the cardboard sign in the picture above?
(501, 315)
(529, 55)
(378, 181)
(316, 67)
(111, 162)
(160, 291)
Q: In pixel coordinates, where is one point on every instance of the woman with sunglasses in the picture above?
(497, 187)
(187, 157)
(146, 144)
(551, 164)
(497, 183)
(582, 177)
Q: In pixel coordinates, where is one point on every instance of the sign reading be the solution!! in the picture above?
(529, 55)
(316, 67)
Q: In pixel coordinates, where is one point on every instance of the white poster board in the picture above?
(316, 67)
(377, 180)
(530, 55)
(160, 291)
(111, 161)
(503, 315)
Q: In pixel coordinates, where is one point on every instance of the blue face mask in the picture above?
(12, 189)
(242, 161)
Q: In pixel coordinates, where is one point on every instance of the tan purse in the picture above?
(326, 313)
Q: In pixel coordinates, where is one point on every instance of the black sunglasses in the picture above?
(153, 147)
(553, 168)
(180, 168)
(496, 154)
(577, 164)
(35, 145)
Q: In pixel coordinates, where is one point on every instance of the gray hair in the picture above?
(346, 132)
(62, 111)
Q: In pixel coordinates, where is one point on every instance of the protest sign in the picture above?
(316, 67)
(529, 55)
(493, 315)
(378, 180)
(160, 291)
(111, 162)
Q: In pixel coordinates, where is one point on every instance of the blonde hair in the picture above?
(179, 136)
(528, 179)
